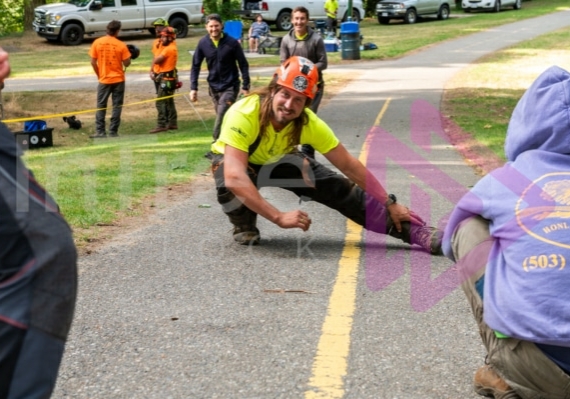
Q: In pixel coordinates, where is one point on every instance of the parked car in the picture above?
(487, 5)
(279, 11)
(410, 10)
(69, 22)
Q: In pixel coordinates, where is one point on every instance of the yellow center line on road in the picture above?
(331, 361)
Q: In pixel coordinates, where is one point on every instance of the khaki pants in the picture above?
(524, 366)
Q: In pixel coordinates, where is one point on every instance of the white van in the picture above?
(279, 11)
(68, 22)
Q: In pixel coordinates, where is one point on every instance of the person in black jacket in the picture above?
(222, 53)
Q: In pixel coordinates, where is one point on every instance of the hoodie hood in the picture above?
(541, 119)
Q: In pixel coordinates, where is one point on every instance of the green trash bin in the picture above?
(350, 40)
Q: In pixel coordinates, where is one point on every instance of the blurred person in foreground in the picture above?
(109, 59)
(510, 237)
(257, 148)
(38, 276)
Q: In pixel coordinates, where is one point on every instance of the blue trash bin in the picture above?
(350, 40)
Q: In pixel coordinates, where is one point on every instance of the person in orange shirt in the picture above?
(109, 58)
(166, 75)
(159, 25)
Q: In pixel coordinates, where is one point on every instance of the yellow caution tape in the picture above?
(84, 111)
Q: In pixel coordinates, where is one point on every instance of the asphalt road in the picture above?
(177, 310)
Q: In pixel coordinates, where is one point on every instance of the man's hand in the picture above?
(193, 95)
(399, 213)
(292, 219)
(244, 92)
(152, 76)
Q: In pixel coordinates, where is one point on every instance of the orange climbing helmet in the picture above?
(299, 74)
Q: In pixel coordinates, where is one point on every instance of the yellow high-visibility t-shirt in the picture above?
(240, 129)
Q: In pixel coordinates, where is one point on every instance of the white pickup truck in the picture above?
(69, 22)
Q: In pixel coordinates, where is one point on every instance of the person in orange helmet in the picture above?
(257, 148)
(166, 77)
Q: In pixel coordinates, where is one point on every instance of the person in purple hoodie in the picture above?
(510, 237)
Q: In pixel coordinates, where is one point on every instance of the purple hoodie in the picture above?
(527, 201)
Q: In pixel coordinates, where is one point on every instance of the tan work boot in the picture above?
(488, 383)
(246, 235)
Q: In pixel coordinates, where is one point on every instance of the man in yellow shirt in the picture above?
(109, 59)
(166, 75)
(257, 148)
(331, 9)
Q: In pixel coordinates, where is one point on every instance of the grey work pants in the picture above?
(521, 363)
(306, 148)
(167, 115)
(117, 93)
(309, 180)
(222, 101)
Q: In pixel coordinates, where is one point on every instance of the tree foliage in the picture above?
(11, 16)
(223, 7)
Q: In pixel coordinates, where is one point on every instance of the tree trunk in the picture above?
(29, 6)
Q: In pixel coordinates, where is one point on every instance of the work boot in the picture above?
(159, 129)
(429, 238)
(246, 235)
(488, 383)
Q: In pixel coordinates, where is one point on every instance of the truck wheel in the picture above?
(443, 13)
(383, 20)
(355, 17)
(72, 35)
(411, 16)
(180, 25)
(284, 21)
(152, 31)
(497, 7)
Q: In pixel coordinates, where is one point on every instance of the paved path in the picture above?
(176, 310)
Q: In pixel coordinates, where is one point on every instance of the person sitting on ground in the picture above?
(510, 238)
(257, 148)
(258, 29)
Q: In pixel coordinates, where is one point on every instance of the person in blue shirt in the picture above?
(223, 55)
(510, 237)
(257, 29)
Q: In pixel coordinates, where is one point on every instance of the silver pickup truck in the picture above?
(410, 10)
(69, 22)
